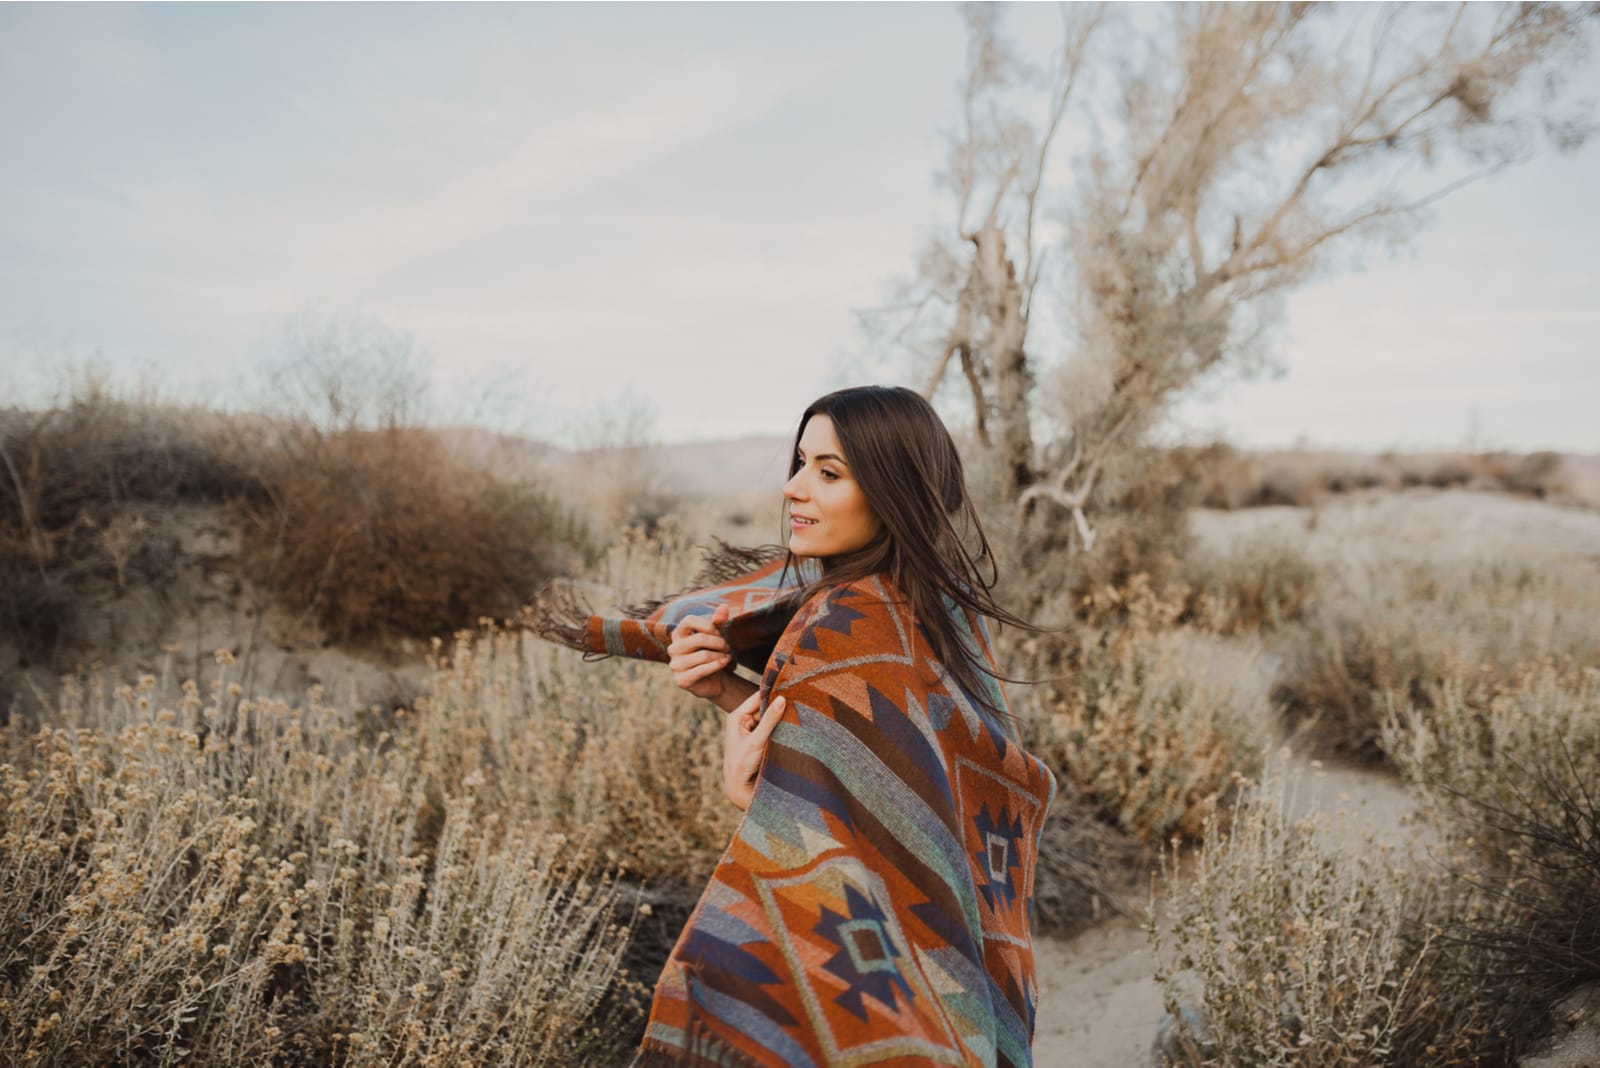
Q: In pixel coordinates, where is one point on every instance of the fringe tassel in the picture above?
(703, 1051)
(724, 564)
(559, 614)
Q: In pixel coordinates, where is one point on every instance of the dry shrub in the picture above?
(1087, 871)
(1223, 477)
(1297, 952)
(1534, 474)
(77, 485)
(1227, 478)
(404, 887)
(613, 747)
(215, 880)
(381, 533)
(1154, 727)
(1399, 630)
(1284, 482)
(1510, 771)
(1259, 585)
(1142, 532)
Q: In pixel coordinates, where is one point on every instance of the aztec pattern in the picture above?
(761, 602)
(873, 906)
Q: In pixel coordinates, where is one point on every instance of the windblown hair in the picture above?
(931, 545)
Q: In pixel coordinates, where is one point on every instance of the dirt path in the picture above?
(1099, 1005)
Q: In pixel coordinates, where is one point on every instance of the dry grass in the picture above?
(1258, 586)
(1398, 630)
(1510, 771)
(614, 748)
(1154, 725)
(213, 878)
(1295, 952)
(217, 880)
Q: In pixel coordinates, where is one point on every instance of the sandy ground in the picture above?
(1429, 523)
(1099, 1005)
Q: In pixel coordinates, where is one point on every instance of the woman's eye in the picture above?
(829, 475)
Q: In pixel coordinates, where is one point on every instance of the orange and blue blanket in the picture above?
(873, 906)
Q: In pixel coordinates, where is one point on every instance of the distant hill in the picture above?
(734, 466)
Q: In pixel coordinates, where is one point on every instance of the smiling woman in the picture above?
(828, 513)
(874, 905)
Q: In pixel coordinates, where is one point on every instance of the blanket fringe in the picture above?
(559, 614)
(704, 1050)
(724, 563)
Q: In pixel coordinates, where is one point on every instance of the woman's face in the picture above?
(828, 513)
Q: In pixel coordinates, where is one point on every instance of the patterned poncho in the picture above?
(873, 906)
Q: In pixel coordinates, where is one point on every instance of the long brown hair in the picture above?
(931, 545)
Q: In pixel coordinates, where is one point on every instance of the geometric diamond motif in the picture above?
(998, 856)
(865, 959)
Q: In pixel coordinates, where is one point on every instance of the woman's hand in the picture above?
(699, 656)
(744, 743)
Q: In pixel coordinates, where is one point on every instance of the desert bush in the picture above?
(1439, 471)
(1088, 870)
(1224, 477)
(1153, 728)
(1510, 771)
(1258, 585)
(611, 747)
(217, 880)
(1534, 474)
(1401, 630)
(1296, 952)
(1229, 479)
(1284, 481)
(381, 533)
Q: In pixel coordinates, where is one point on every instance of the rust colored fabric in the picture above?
(873, 905)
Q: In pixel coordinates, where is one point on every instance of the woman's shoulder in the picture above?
(855, 610)
(873, 593)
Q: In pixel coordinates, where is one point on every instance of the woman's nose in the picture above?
(792, 488)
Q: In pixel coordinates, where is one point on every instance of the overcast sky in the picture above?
(680, 208)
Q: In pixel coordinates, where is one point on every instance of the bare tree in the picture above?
(1247, 144)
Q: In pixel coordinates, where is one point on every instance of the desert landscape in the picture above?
(353, 358)
(231, 808)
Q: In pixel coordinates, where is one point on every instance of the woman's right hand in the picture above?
(700, 657)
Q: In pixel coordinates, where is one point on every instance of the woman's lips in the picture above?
(800, 522)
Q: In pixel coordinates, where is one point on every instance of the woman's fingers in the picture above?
(748, 706)
(769, 720)
(690, 676)
(698, 652)
(699, 632)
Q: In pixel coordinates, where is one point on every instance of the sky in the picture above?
(672, 211)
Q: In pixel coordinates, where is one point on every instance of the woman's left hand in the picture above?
(744, 743)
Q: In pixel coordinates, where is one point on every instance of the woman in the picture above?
(873, 905)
